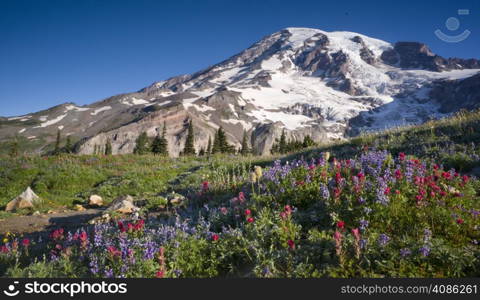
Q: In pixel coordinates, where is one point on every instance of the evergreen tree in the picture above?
(308, 142)
(14, 148)
(282, 147)
(57, 143)
(244, 150)
(216, 144)
(95, 149)
(160, 143)
(141, 144)
(189, 143)
(202, 152)
(108, 148)
(68, 145)
(222, 140)
(209, 147)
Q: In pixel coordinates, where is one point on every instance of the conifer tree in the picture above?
(202, 152)
(244, 150)
(282, 147)
(189, 143)
(108, 148)
(57, 143)
(308, 142)
(68, 145)
(209, 147)
(216, 144)
(141, 144)
(14, 148)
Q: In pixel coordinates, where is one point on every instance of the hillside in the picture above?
(384, 204)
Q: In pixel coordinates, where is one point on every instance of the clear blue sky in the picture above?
(83, 51)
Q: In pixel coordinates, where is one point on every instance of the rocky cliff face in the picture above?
(309, 82)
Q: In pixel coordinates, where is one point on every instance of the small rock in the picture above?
(50, 212)
(78, 207)
(95, 200)
(176, 199)
(123, 204)
(36, 213)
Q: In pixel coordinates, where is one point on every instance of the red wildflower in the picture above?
(300, 182)
(460, 221)
(337, 192)
(57, 234)
(3, 249)
(435, 167)
(241, 197)
(160, 274)
(283, 215)
(288, 209)
(121, 227)
(356, 233)
(250, 220)
(387, 191)
(248, 212)
(26, 242)
(139, 225)
(215, 237)
(291, 245)
(113, 251)
(83, 236)
(398, 174)
(446, 175)
(341, 224)
(397, 192)
(338, 177)
(205, 185)
(465, 178)
(361, 176)
(401, 155)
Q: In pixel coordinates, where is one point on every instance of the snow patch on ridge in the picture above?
(99, 110)
(52, 122)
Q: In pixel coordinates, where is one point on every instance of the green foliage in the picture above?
(141, 144)
(160, 143)
(108, 147)
(189, 143)
(245, 149)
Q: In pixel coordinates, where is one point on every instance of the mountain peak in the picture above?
(307, 81)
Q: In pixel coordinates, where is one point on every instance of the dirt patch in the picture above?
(44, 222)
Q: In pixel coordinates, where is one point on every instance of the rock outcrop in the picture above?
(27, 199)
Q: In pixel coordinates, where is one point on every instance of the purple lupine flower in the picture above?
(405, 252)
(367, 210)
(427, 234)
(363, 243)
(363, 224)
(325, 192)
(382, 198)
(383, 239)
(425, 250)
(361, 200)
(108, 273)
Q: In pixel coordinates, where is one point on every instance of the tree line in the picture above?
(282, 146)
(159, 145)
(218, 145)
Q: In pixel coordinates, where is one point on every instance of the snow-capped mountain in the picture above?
(310, 82)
